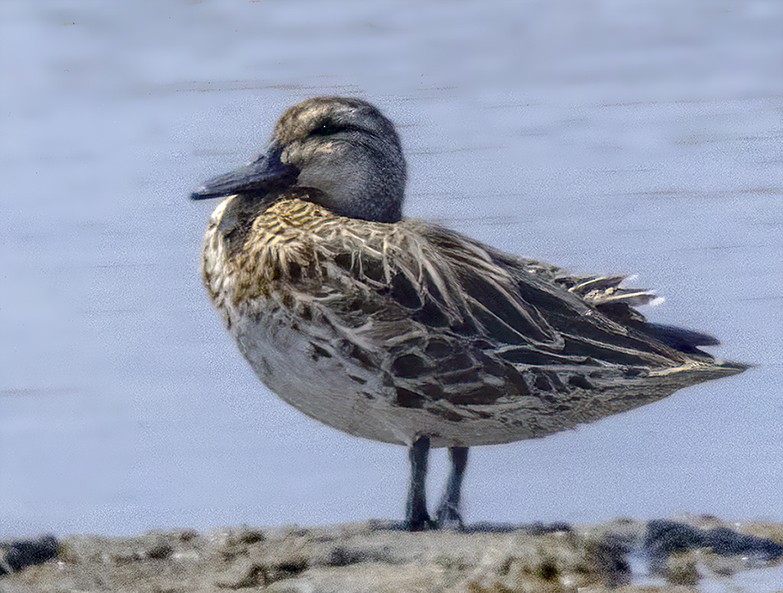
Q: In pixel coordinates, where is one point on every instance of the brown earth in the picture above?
(377, 557)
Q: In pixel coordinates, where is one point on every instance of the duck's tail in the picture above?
(684, 340)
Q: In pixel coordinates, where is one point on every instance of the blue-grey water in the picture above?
(610, 136)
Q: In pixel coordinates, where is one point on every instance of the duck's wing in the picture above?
(611, 297)
(439, 282)
(452, 324)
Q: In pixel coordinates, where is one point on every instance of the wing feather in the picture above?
(452, 324)
(473, 291)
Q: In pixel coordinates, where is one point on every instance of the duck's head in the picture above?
(344, 148)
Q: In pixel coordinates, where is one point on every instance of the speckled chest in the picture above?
(282, 348)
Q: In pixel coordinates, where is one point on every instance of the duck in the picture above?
(403, 331)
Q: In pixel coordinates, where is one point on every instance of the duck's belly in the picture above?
(344, 395)
(323, 386)
(338, 392)
(333, 389)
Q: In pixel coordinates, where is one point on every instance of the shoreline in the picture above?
(622, 555)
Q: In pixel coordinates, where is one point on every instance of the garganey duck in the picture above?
(406, 332)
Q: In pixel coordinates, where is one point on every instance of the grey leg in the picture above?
(448, 512)
(416, 516)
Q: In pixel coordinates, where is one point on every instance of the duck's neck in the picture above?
(367, 190)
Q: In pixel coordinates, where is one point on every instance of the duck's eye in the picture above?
(327, 128)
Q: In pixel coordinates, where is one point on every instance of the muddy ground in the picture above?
(623, 556)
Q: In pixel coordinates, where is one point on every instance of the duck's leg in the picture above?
(416, 516)
(448, 512)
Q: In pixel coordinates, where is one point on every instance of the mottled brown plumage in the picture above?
(455, 330)
(400, 330)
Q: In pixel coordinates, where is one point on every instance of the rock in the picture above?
(551, 563)
(243, 573)
(681, 570)
(16, 555)
(667, 537)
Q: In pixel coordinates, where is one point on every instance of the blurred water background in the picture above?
(607, 136)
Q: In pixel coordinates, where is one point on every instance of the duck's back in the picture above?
(388, 331)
